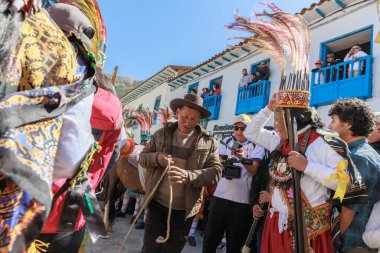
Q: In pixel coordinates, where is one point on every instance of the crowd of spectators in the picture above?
(261, 73)
(333, 74)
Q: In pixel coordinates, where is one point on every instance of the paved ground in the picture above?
(134, 241)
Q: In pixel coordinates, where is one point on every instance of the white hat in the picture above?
(242, 118)
(377, 117)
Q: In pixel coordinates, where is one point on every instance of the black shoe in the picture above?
(191, 241)
(140, 225)
(120, 214)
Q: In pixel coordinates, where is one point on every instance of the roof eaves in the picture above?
(175, 68)
(208, 62)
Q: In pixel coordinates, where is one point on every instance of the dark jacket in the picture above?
(264, 73)
(203, 164)
(334, 72)
(376, 146)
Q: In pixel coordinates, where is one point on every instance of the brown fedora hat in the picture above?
(192, 101)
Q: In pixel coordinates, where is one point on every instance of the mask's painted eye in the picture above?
(89, 32)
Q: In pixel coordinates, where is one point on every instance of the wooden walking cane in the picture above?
(301, 243)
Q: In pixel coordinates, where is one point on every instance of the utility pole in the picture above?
(114, 75)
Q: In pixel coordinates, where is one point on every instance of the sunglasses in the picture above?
(236, 128)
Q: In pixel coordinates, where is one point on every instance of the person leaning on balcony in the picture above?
(354, 54)
(330, 61)
(252, 78)
(245, 79)
(319, 77)
(215, 90)
(263, 69)
(193, 153)
(205, 93)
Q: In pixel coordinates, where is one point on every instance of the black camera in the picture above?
(231, 171)
(234, 147)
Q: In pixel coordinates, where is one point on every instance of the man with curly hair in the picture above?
(353, 119)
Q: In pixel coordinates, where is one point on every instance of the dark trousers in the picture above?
(63, 242)
(231, 217)
(155, 226)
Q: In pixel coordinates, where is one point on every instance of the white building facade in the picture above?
(336, 26)
(152, 94)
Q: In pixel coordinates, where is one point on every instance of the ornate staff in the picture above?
(300, 238)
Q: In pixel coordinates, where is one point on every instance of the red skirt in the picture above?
(274, 242)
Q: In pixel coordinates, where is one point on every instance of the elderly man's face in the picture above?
(187, 119)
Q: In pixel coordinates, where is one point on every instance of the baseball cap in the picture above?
(242, 118)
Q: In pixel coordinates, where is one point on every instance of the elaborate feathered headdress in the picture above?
(144, 119)
(282, 36)
(164, 115)
(130, 119)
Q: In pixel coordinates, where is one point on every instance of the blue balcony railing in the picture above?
(253, 97)
(212, 103)
(345, 80)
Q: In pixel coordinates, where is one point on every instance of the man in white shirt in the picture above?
(245, 79)
(230, 209)
(371, 235)
(358, 66)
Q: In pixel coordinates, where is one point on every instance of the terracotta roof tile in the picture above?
(312, 6)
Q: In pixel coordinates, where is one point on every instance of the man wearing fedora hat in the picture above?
(195, 163)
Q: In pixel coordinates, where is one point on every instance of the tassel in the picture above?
(38, 246)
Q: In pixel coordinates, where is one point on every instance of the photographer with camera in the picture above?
(230, 209)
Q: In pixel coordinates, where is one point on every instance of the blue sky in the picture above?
(143, 36)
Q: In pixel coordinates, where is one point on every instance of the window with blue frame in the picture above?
(347, 68)
(260, 71)
(253, 97)
(155, 108)
(216, 83)
(341, 45)
(193, 88)
(213, 99)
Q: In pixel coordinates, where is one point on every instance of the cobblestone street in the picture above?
(134, 242)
